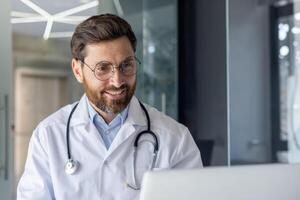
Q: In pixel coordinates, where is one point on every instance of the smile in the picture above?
(117, 93)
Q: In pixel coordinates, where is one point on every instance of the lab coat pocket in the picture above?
(80, 185)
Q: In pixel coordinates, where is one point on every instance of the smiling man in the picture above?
(116, 89)
(100, 147)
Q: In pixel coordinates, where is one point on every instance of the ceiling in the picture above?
(58, 18)
(50, 19)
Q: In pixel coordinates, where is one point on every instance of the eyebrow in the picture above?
(105, 61)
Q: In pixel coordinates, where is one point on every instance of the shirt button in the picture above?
(105, 163)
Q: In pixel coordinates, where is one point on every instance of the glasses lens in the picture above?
(129, 67)
(103, 70)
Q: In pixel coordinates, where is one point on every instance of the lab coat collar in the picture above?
(135, 116)
(81, 114)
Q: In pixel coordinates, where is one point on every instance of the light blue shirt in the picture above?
(107, 131)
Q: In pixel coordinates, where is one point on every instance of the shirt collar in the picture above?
(135, 115)
(93, 114)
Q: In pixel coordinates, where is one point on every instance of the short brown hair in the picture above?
(99, 28)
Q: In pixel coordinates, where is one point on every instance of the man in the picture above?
(103, 126)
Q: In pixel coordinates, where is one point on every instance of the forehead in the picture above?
(110, 50)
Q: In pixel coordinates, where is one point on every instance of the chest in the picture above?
(100, 171)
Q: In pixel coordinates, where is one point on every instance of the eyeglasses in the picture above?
(104, 69)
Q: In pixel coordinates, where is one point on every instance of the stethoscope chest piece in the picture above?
(71, 166)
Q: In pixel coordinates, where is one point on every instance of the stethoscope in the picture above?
(72, 165)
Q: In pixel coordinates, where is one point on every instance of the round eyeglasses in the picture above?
(104, 69)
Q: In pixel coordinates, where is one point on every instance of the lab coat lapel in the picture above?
(136, 115)
(88, 131)
(134, 121)
(80, 115)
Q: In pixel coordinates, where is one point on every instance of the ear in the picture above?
(77, 70)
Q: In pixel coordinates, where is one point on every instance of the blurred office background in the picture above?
(226, 69)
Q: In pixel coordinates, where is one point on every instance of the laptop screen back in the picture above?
(255, 182)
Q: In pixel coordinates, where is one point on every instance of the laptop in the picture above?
(252, 182)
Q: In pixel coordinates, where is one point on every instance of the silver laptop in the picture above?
(255, 182)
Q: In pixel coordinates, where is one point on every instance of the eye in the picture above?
(129, 64)
(103, 68)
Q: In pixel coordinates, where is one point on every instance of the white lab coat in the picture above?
(102, 173)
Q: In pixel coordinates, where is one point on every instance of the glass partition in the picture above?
(249, 81)
(263, 62)
(285, 84)
(155, 24)
(159, 85)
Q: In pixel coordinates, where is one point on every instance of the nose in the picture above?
(117, 78)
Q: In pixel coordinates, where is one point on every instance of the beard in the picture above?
(110, 106)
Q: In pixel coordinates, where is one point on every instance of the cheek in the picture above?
(98, 89)
(131, 82)
(94, 86)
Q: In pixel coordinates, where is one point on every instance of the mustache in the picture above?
(113, 88)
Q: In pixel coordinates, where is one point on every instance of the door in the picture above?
(38, 93)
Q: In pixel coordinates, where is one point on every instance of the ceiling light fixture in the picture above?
(60, 34)
(76, 9)
(44, 16)
(28, 20)
(36, 8)
(48, 28)
(22, 14)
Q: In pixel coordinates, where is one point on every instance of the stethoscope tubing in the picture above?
(68, 132)
(136, 141)
(148, 131)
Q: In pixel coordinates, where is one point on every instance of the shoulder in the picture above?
(58, 117)
(52, 128)
(165, 123)
(56, 120)
(175, 141)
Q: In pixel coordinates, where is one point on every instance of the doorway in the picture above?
(38, 93)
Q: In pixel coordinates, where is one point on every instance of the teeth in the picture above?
(115, 92)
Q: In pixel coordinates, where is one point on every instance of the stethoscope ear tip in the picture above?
(71, 166)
